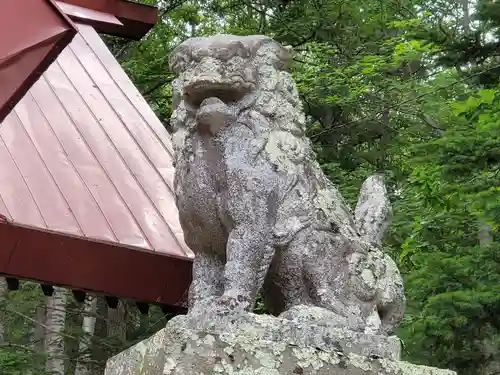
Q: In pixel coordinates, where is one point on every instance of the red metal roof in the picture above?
(86, 179)
(32, 35)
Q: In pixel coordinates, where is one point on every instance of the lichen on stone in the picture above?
(172, 351)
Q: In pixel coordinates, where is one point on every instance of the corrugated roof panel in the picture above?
(16, 197)
(155, 169)
(126, 85)
(78, 198)
(49, 199)
(111, 206)
(151, 124)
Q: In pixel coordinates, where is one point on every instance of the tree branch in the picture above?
(156, 86)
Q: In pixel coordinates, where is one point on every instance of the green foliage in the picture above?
(20, 360)
(454, 276)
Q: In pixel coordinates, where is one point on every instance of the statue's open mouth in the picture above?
(228, 92)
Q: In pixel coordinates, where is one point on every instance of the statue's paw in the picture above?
(224, 305)
(313, 315)
(230, 302)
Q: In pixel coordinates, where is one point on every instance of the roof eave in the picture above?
(93, 266)
(134, 20)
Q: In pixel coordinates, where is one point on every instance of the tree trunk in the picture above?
(464, 4)
(485, 236)
(88, 326)
(39, 329)
(117, 322)
(99, 354)
(488, 346)
(54, 325)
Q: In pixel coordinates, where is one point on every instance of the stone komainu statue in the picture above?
(254, 204)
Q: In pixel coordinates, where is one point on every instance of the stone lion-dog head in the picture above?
(239, 78)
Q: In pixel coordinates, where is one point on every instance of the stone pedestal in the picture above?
(247, 344)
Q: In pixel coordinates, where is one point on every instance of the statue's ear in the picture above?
(373, 212)
(179, 58)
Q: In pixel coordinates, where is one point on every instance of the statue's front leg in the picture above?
(207, 284)
(249, 255)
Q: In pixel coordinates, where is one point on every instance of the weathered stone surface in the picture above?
(247, 344)
(254, 204)
(303, 326)
(145, 358)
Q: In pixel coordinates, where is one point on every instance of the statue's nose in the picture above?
(214, 115)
